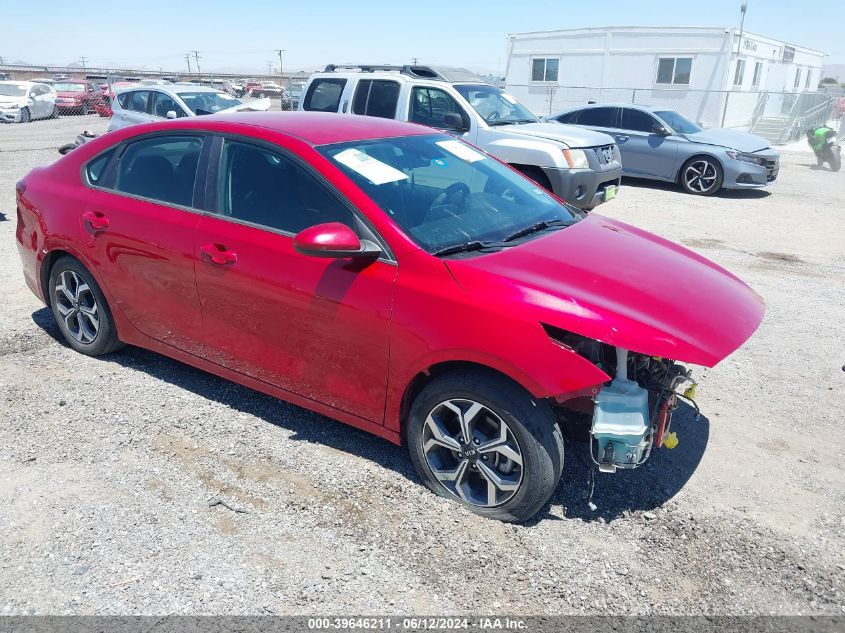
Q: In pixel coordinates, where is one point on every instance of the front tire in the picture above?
(701, 176)
(483, 441)
(80, 309)
(26, 117)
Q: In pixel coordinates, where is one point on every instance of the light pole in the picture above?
(742, 9)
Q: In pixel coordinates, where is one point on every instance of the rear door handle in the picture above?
(219, 254)
(96, 220)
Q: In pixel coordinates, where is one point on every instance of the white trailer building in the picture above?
(712, 75)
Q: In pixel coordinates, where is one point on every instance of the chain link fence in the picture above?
(777, 116)
(45, 108)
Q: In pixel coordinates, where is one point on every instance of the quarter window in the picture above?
(324, 95)
(674, 70)
(739, 72)
(430, 105)
(376, 98)
(264, 187)
(544, 68)
(162, 169)
(96, 168)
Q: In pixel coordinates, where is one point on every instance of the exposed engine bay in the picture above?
(633, 413)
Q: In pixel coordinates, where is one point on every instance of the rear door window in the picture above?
(324, 95)
(162, 169)
(376, 98)
(598, 117)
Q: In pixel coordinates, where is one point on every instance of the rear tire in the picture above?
(477, 438)
(834, 159)
(80, 308)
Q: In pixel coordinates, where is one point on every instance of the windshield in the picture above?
(495, 105)
(208, 102)
(443, 193)
(12, 90)
(69, 87)
(680, 124)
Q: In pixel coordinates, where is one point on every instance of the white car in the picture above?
(145, 104)
(24, 101)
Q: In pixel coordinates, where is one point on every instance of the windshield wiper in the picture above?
(539, 226)
(510, 122)
(466, 247)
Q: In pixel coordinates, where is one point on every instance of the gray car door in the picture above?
(645, 153)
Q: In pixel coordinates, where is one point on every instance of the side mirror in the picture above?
(333, 239)
(454, 121)
(171, 114)
(660, 130)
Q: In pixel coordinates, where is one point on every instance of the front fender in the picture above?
(528, 151)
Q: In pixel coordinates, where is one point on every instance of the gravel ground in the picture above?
(111, 469)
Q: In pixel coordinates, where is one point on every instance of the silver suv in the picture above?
(581, 166)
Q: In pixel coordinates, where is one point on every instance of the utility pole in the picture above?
(188, 59)
(414, 61)
(280, 51)
(269, 67)
(82, 60)
(197, 59)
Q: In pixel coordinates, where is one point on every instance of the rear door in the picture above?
(138, 224)
(645, 153)
(313, 326)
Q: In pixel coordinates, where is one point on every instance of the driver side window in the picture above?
(430, 105)
(162, 104)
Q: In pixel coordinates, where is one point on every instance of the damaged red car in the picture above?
(385, 275)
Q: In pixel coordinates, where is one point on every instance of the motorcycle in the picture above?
(81, 139)
(823, 141)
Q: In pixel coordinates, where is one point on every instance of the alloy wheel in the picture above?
(472, 452)
(701, 176)
(77, 306)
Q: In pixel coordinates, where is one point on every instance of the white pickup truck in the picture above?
(581, 166)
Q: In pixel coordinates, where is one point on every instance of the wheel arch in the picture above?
(702, 154)
(425, 376)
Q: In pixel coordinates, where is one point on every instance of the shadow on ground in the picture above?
(645, 488)
(748, 194)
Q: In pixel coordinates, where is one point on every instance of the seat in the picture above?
(149, 176)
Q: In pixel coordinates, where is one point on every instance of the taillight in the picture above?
(20, 186)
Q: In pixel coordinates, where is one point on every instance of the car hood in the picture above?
(257, 105)
(569, 134)
(733, 139)
(615, 283)
(6, 100)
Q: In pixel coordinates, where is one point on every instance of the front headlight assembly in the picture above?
(746, 158)
(576, 158)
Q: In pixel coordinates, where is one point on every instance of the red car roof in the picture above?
(322, 128)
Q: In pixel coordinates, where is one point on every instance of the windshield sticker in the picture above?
(508, 98)
(464, 152)
(373, 170)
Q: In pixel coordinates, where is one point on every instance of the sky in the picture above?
(241, 35)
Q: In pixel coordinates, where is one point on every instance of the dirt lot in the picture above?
(108, 466)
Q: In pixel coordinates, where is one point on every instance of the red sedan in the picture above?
(77, 97)
(385, 275)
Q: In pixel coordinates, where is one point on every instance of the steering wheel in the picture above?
(452, 196)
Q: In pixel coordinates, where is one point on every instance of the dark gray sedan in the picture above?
(660, 144)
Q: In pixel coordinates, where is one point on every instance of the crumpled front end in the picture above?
(10, 114)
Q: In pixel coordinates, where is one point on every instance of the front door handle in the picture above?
(96, 220)
(622, 137)
(219, 254)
